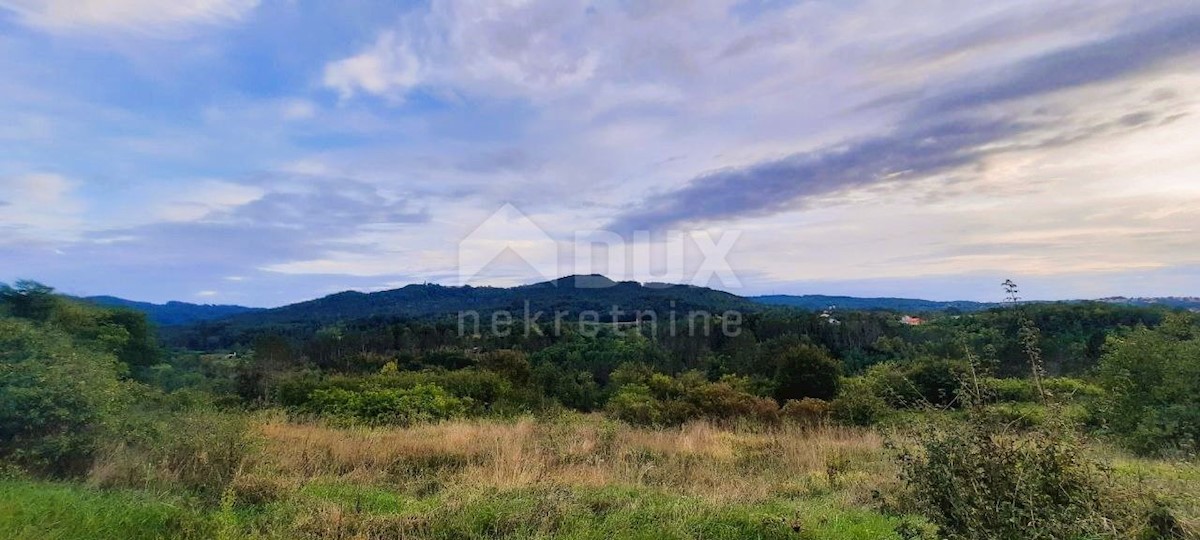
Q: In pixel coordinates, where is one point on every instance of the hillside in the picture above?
(172, 313)
(572, 294)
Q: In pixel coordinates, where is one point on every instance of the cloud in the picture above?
(1102, 60)
(39, 207)
(945, 132)
(388, 67)
(150, 17)
(775, 186)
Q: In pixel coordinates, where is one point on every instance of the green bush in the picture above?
(1008, 390)
(649, 398)
(978, 482)
(807, 371)
(480, 391)
(633, 403)
(421, 403)
(920, 383)
(1060, 389)
(858, 405)
(1151, 380)
(58, 399)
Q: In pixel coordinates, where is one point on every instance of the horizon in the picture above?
(642, 283)
(200, 153)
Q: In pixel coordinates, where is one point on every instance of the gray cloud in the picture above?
(286, 224)
(943, 132)
(774, 186)
(1099, 61)
(325, 206)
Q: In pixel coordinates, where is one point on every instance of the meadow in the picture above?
(564, 476)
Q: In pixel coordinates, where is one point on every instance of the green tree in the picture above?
(28, 299)
(806, 371)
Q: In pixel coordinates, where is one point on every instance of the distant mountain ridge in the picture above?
(572, 294)
(816, 302)
(173, 313)
(1184, 302)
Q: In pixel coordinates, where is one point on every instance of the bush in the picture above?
(920, 383)
(807, 371)
(976, 482)
(858, 405)
(1152, 384)
(421, 403)
(633, 403)
(810, 412)
(58, 399)
(1060, 389)
(658, 399)
(200, 451)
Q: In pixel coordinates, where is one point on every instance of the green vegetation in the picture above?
(794, 427)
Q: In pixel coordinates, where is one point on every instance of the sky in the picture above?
(262, 152)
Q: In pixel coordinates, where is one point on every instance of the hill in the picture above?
(172, 313)
(1191, 303)
(816, 302)
(572, 294)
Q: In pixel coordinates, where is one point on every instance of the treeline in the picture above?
(1072, 340)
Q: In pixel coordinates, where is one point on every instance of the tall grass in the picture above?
(697, 459)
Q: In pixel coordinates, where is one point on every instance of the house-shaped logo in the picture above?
(508, 248)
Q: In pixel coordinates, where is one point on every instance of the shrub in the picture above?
(421, 403)
(858, 405)
(889, 381)
(1152, 384)
(976, 481)
(810, 412)
(633, 403)
(807, 371)
(57, 399)
(1024, 391)
(920, 383)
(936, 380)
(200, 451)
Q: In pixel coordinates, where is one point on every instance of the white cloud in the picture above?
(39, 206)
(389, 67)
(152, 17)
(203, 198)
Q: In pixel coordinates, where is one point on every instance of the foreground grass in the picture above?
(577, 477)
(43, 510)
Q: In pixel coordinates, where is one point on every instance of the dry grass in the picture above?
(698, 459)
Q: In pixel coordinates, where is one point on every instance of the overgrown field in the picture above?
(569, 476)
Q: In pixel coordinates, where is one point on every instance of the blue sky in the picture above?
(263, 152)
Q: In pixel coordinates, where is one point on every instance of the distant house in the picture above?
(912, 321)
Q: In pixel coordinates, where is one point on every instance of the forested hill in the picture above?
(572, 294)
(172, 313)
(816, 302)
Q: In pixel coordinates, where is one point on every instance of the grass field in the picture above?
(569, 477)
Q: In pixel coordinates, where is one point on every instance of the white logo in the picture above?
(509, 247)
(507, 239)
